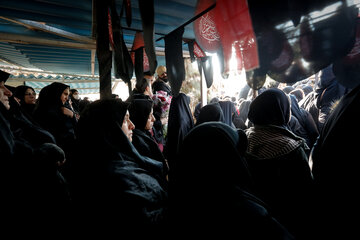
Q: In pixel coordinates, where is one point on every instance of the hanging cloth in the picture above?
(174, 60)
(147, 18)
(103, 52)
(123, 65)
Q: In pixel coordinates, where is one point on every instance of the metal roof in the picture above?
(55, 36)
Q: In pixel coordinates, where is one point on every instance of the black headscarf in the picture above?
(48, 114)
(6, 136)
(49, 96)
(111, 177)
(142, 139)
(99, 129)
(27, 109)
(20, 92)
(228, 109)
(271, 107)
(211, 184)
(4, 76)
(210, 112)
(179, 124)
(203, 148)
(139, 111)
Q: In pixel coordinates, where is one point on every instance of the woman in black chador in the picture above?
(210, 112)
(27, 100)
(117, 190)
(141, 114)
(180, 123)
(278, 162)
(52, 114)
(211, 191)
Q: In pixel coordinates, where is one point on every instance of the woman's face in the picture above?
(150, 121)
(4, 95)
(65, 95)
(30, 96)
(76, 95)
(128, 126)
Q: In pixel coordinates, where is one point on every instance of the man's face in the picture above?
(4, 95)
(163, 76)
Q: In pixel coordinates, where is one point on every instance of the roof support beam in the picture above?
(93, 62)
(24, 79)
(33, 25)
(17, 38)
(5, 60)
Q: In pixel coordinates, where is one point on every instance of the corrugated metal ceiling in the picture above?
(56, 35)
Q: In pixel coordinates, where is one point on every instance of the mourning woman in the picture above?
(116, 190)
(278, 162)
(179, 124)
(141, 114)
(29, 187)
(27, 99)
(211, 190)
(53, 116)
(210, 112)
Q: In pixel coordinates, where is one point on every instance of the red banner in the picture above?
(205, 30)
(198, 51)
(233, 23)
(138, 43)
(111, 38)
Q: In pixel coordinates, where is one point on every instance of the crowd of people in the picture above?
(278, 164)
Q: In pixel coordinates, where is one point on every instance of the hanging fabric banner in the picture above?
(233, 22)
(205, 29)
(199, 53)
(139, 57)
(147, 18)
(207, 35)
(174, 60)
(206, 64)
(123, 66)
(103, 53)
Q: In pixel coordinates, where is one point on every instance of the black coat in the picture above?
(336, 173)
(146, 145)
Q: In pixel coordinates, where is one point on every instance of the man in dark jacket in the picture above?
(160, 83)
